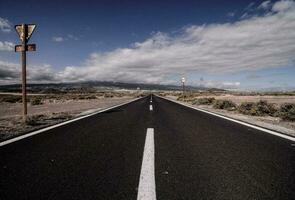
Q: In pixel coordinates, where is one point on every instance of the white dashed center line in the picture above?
(151, 107)
(147, 185)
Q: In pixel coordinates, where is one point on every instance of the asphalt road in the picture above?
(197, 156)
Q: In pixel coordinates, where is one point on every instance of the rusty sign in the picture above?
(29, 29)
(29, 47)
(24, 31)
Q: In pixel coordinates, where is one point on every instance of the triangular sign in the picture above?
(19, 30)
(30, 29)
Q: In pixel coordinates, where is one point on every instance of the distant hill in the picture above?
(94, 85)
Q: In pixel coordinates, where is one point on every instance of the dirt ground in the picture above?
(70, 106)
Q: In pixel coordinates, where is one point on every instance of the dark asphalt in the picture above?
(197, 156)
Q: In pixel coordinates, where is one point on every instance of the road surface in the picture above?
(148, 150)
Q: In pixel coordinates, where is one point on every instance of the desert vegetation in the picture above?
(287, 111)
(203, 101)
(224, 104)
(274, 104)
(260, 108)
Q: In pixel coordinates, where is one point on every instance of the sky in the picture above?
(233, 44)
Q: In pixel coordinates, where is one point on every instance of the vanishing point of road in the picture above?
(151, 148)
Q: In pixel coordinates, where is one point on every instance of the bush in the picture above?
(260, 108)
(61, 116)
(36, 101)
(108, 95)
(12, 99)
(224, 104)
(80, 97)
(91, 97)
(185, 97)
(247, 108)
(287, 112)
(180, 98)
(35, 120)
(203, 101)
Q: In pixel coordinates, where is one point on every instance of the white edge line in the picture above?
(234, 120)
(61, 124)
(147, 183)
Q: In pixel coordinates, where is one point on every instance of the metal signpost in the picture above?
(24, 31)
(183, 87)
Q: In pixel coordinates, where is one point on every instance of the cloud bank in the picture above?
(5, 25)
(259, 42)
(253, 43)
(10, 73)
(57, 39)
(65, 38)
(6, 46)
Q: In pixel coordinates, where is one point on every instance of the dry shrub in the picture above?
(287, 112)
(108, 95)
(35, 120)
(36, 101)
(12, 99)
(260, 108)
(224, 104)
(186, 97)
(203, 101)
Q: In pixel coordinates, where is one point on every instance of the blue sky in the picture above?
(228, 44)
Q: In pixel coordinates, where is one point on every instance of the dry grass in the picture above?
(255, 104)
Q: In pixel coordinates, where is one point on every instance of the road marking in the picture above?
(151, 99)
(236, 121)
(61, 124)
(151, 107)
(147, 184)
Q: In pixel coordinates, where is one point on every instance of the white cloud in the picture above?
(283, 5)
(215, 84)
(251, 44)
(222, 85)
(231, 84)
(6, 46)
(43, 73)
(250, 6)
(72, 37)
(11, 73)
(67, 37)
(265, 5)
(255, 43)
(245, 16)
(57, 39)
(5, 25)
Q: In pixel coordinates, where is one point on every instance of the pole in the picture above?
(24, 73)
(183, 89)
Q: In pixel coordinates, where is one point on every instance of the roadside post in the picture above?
(24, 31)
(183, 86)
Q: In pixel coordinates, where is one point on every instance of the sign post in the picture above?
(24, 31)
(183, 87)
